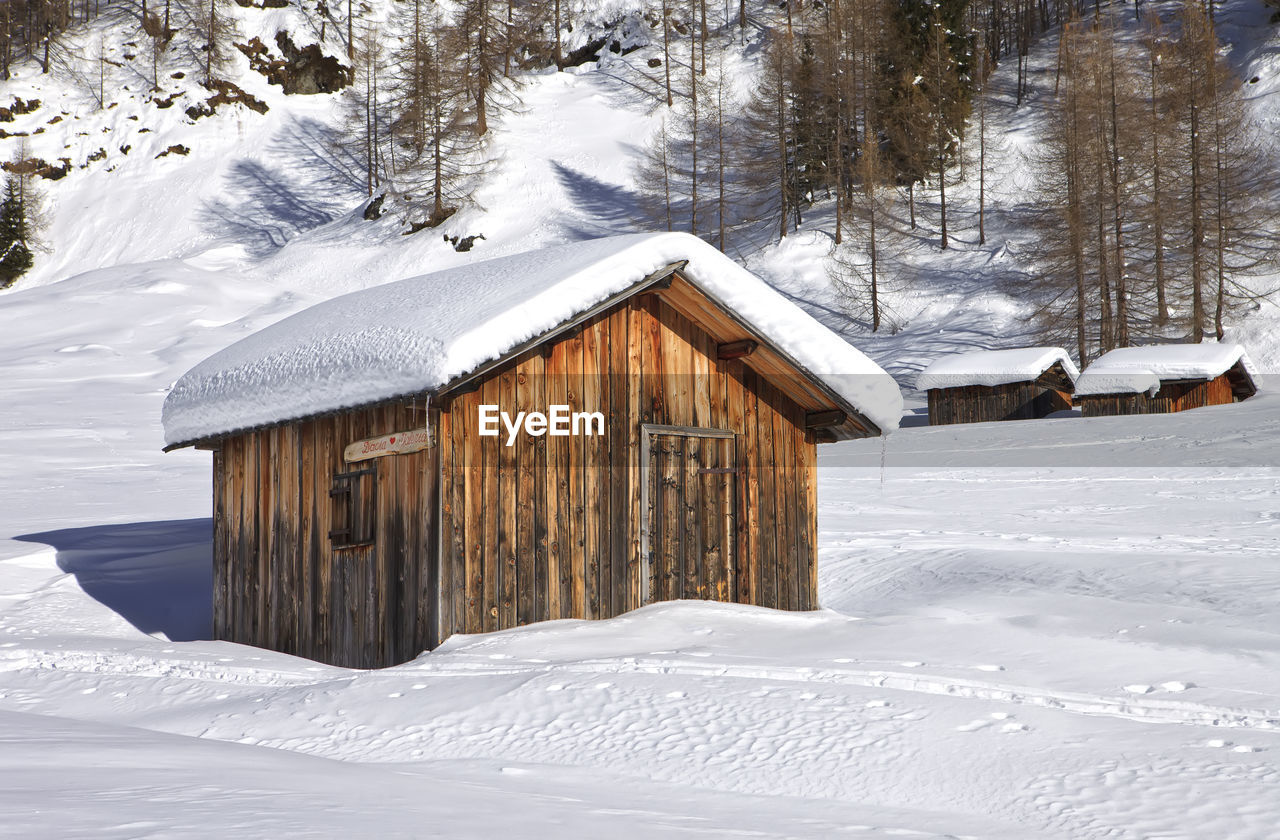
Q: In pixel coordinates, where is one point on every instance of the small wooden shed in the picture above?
(568, 433)
(1021, 384)
(1164, 378)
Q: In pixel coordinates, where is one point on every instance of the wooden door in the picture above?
(353, 512)
(689, 501)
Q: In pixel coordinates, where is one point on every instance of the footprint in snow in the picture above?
(1246, 749)
(1177, 685)
(973, 726)
(911, 664)
(877, 704)
(1139, 689)
(988, 667)
(1014, 726)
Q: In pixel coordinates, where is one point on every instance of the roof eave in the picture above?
(856, 421)
(856, 424)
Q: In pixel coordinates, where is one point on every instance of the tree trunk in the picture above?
(1157, 204)
(1197, 225)
(702, 8)
(213, 40)
(1121, 290)
(982, 167)
(1220, 188)
(693, 128)
(559, 54)
(783, 192)
(666, 50)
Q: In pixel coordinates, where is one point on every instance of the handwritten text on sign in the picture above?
(396, 443)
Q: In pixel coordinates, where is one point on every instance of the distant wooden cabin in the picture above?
(1162, 379)
(1022, 384)
(362, 515)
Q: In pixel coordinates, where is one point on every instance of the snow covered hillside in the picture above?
(1059, 629)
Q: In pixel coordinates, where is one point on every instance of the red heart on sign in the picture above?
(393, 440)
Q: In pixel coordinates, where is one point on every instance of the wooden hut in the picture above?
(568, 433)
(1164, 378)
(1022, 384)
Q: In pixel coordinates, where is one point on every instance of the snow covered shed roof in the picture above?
(1136, 370)
(418, 335)
(994, 367)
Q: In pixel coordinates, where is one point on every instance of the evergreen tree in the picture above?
(15, 249)
(923, 103)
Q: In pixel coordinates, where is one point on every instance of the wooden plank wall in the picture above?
(1172, 397)
(982, 403)
(279, 584)
(549, 528)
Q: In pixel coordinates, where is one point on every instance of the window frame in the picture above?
(353, 499)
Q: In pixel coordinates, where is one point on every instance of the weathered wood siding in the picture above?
(279, 583)
(1172, 396)
(550, 527)
(982, 403)
(472, 536)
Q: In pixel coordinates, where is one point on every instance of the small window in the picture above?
(353, 499)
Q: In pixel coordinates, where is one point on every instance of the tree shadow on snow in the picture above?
(158, 576)
(268, 211)
(301, 180)
(612, 209)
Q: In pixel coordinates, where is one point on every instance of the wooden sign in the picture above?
(396, 443)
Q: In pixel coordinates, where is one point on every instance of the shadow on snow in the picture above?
(158, 576)
(315, 182)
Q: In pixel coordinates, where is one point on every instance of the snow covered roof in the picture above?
(418, 334)
(994, 367)
(1135, 370)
